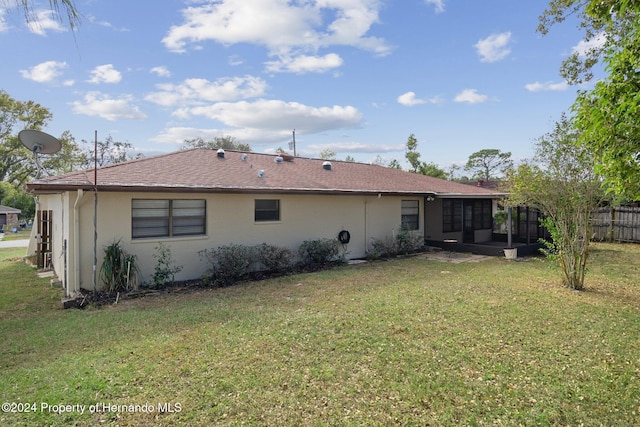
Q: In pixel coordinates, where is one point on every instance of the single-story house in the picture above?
(199, 199)
(9, 217)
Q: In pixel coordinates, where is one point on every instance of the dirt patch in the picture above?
(454, 257)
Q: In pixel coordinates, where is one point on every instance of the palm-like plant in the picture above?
(119, 270)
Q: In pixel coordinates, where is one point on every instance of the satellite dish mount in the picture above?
(39, 143)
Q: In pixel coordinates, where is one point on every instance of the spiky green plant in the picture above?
(119, 270)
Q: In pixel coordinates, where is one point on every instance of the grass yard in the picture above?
(402, 342)
(21, 234)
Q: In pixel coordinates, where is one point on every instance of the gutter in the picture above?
(76, 242)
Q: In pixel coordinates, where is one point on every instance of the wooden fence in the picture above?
(617, 224)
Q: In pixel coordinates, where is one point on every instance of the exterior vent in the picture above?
(261, 173)
(326, 166)
(244, 157)
(278, 159)
(221, 153)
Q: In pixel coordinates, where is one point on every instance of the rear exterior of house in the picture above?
(199, 199)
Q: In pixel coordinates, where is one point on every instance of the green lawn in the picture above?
(407, 342)
(21, 234)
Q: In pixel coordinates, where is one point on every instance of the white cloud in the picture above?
(3, 23)
(409, 99)
(92, 19)
(305, 63)
(161, 71)
(197, 91)
(438, 4)
(547, 86)
(177, 135)
(235, 60)
(494, 48)
(470, 96)
(275, 115)
(43, 21)
(44, 72)
(596, 42)
(105, 74)
(108, 108)
(254, 136)
(286, 29)
(356, 147)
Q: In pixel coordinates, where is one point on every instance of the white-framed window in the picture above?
(168, 218)
(410, 217)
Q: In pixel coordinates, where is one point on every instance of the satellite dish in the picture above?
(39, 142)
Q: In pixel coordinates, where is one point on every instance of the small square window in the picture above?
(267, 210)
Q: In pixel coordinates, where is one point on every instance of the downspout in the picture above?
(366, 231)
(76, 242)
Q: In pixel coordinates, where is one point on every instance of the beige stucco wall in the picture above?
(230, 219)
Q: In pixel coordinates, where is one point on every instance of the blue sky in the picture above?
(355, 76)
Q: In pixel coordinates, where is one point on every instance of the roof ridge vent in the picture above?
(220, 153)
(326, 166)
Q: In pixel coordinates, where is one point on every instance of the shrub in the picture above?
(119, 270)
(229, 264)
(401, 243)
(408, 242)
(383, 247)
(315, 254)
(165, 271)
(273, 259)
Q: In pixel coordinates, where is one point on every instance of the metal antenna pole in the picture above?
(95, 212)
(294, 144)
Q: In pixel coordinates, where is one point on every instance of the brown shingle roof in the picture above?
(9, 210)
(202, 170)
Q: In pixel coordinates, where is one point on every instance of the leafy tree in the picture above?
(69, 158)
(327, 154)
(224, 142)
(108, 152)
(607, 115)
(394, 164)
(488, 162)
(350, 159)
(17, 164)
(412, 155)
(605, 24)
(563, 185)
(15, 197)
(431, 169)
(60, 7)
(16, 161)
